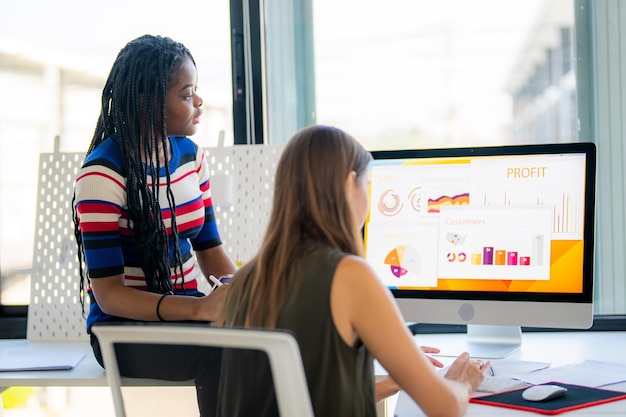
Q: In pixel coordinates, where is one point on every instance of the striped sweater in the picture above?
(101, 203)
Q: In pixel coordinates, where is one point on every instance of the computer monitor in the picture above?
(492, 237)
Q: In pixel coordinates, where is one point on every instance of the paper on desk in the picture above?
(588, 373)
(511, 369)
(517, 369)
(30, 360)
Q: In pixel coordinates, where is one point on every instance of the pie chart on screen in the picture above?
(404, 259)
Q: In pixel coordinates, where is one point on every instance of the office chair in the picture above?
(292, 393)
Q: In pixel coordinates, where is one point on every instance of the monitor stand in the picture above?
(487, 342)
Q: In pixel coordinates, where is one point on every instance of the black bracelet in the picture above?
(159, 304)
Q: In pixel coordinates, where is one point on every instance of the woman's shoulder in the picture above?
(354, 265)
(106, 154)
(346, 267)
(355, 272)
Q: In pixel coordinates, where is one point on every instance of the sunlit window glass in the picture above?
(406, 73)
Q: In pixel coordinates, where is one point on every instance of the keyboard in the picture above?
(493, 384)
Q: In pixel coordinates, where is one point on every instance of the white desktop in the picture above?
(565, 352)
(494, 238)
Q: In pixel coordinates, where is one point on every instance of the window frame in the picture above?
(246, 63)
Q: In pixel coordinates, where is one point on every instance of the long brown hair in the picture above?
(310, 207)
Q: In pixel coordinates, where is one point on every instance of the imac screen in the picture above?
(488, 235)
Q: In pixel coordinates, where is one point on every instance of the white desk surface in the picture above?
(88, 373)
(558, 348)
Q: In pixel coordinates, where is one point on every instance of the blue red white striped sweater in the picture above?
(101, 203)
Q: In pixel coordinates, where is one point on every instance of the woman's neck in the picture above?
(160, 156)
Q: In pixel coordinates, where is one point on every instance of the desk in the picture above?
(88, 373)
(558, 348)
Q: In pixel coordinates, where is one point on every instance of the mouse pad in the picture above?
(577, 396)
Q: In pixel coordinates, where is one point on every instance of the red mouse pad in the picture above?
(577, 396)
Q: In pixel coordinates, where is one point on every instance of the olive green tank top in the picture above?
(340, 377)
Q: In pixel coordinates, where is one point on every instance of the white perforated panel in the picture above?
(242, 179)
(242, 183)
(54, 312)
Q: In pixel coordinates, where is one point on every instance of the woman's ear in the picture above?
(351, 181)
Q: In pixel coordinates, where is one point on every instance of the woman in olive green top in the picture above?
(310, 278)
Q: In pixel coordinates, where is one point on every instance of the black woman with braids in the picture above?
(142, 203)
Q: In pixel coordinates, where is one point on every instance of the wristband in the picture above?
(159, 304)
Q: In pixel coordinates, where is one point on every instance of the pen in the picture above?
(215, 281)
(491, 372)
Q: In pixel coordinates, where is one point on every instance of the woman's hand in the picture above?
(212, 304)
(428, 349)
(465, 370)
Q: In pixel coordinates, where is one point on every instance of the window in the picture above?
(442, 74)
(406, 73)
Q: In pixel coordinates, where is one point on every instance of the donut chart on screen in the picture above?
(404, 259)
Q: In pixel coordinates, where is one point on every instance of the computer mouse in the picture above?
(543, 392)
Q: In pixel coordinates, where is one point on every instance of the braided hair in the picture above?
(134, 109)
